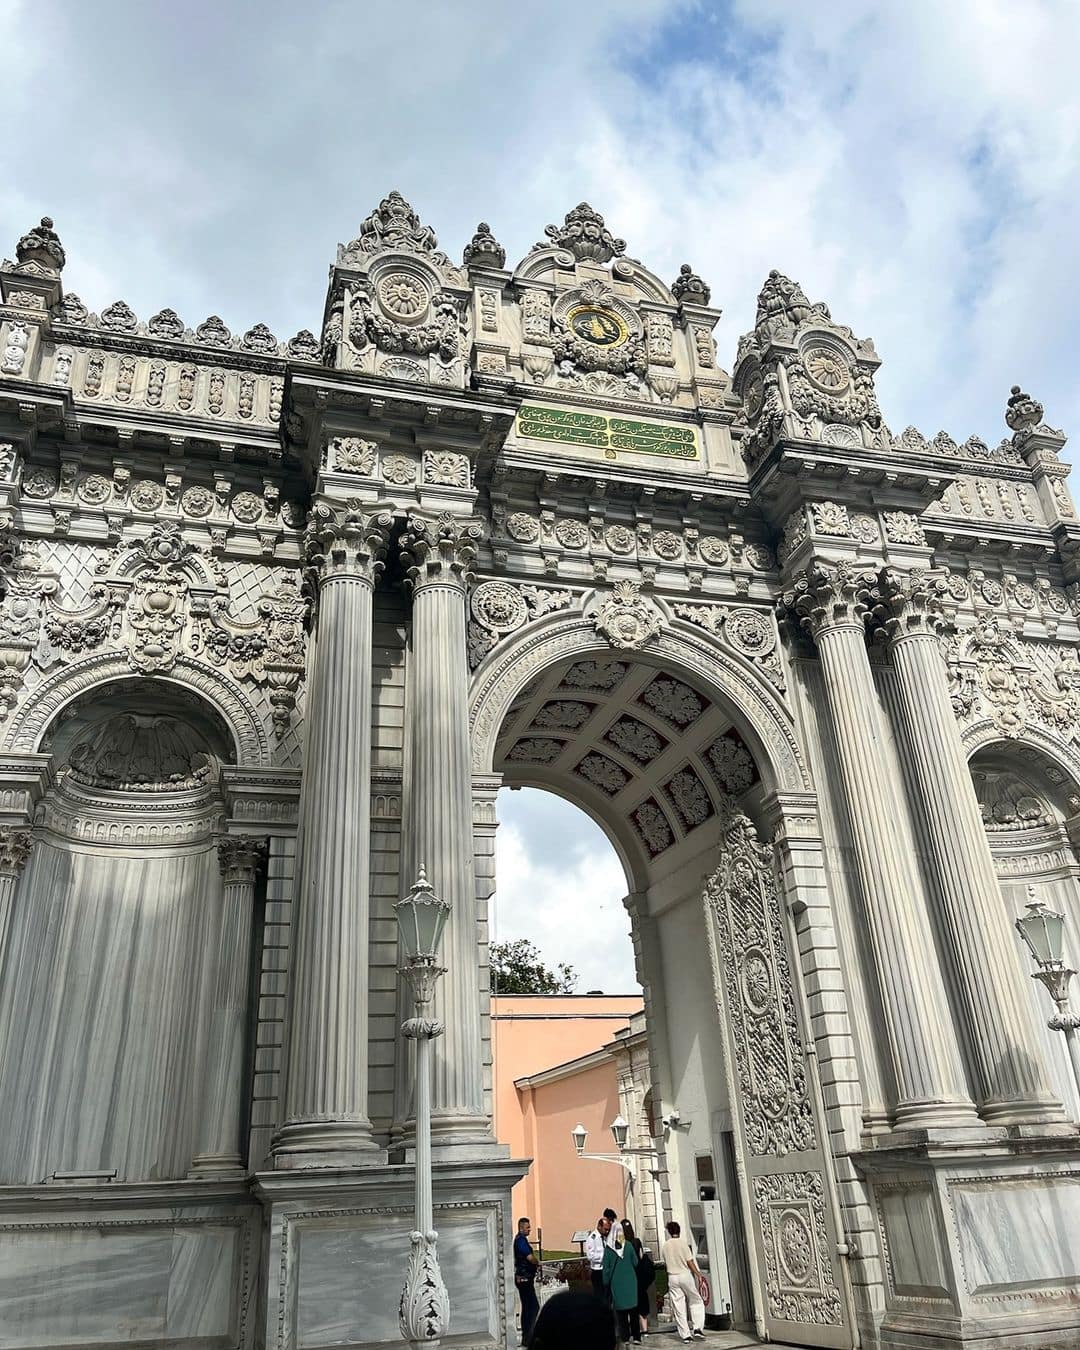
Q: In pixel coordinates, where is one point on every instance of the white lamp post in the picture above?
(1043, 932)
(424, 1312)
(619, 1132)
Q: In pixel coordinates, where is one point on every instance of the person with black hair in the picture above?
(573, 1321)
(646, 1274)
(684, 1279)
(525, 1264)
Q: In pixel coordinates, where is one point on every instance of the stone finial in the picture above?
(586, 236)
(483, 249)
(782, 304)
(689, 286)
(1022, 413)
(304, 346)
(393, 224)
(42, 245)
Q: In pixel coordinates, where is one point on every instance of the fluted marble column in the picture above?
(241, 857)
(16, 843)
(830, 600)
(1012, 1083)
(325, 1120)
(438, 824)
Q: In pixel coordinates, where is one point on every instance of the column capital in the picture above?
(908, 604)
(16, 844)
(347, 541)
(827, 596)
(241, 857)
(440, 550)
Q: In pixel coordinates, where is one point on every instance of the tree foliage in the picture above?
(516, 968)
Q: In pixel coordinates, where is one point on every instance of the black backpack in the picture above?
(646, 1270)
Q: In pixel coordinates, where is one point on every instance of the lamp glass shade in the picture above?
(619, 1130)
(579, 1134)
(1044, 933)
(421, 918)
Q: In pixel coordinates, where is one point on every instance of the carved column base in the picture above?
(207, 1166)
(324, 1143)
(424, 1314)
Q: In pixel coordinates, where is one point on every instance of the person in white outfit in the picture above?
(683, 1276)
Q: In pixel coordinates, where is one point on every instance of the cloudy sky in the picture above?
(916, 166)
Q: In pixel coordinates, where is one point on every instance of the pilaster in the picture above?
(325, 1121)
(438, 553)
(830, 601)
(1011, 1081)
(16, 844)
(241, 858)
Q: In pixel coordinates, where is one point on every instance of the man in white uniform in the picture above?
(683, 1278)
(594, 1254)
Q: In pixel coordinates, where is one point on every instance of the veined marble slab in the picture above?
(1019, 1234)
(113, 1282)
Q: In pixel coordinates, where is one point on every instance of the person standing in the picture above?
(620, 1279)
(683, 1279)
(525, 1264)
(594, 1254)
(646, 1273)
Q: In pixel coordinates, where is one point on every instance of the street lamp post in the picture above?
(424, 1312)
(1043, 932)
(620, 1129)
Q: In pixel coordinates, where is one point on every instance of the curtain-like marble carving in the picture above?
(104, 1004)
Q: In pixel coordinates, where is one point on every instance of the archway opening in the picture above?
(655, 762)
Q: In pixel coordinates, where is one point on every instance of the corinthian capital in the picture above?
(908, 604)
(828, 596)
(241, 857)
(15, 846)
(347, 540)
(440, 551)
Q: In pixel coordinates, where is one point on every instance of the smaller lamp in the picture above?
(619, 1130)
(1043, 932)
(421, 918)
(579, 1134)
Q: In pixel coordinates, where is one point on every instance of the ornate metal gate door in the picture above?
(789, 1214)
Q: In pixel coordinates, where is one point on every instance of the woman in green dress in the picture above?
(620, 1279)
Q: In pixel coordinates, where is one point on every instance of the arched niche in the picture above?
(115, 939)
(1030, 805)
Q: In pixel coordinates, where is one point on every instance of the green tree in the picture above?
(516, 968)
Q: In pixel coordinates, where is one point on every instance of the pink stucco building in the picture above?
(561, 1060)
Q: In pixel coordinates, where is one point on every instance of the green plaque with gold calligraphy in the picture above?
(610, 434)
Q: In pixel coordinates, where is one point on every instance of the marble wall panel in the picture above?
(913, 1247)
(103, 1014)
(1018, 1234)
(115, 1282)
(351, 1270)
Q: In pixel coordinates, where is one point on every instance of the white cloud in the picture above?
(560, 884)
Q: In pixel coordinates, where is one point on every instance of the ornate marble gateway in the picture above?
(279, 618)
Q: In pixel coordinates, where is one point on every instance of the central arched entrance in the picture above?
(682, 754)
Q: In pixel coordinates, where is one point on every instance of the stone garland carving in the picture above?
(1014, 683)
(499, 608)
(627, 618)
(769, 1057)
(155, 600)
(572, 354)
(387, 320)
(747, 631)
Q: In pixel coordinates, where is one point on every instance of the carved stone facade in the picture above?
(277, 620)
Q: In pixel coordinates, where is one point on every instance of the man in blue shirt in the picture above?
(525, 1264)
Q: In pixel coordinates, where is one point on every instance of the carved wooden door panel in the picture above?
(789, 1214)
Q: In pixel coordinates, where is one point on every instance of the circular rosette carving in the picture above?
(757, 984)
(498, 606)
(197, 501)
(94, 488)
(754, 393)
(666, 544)
(795, 1248)
(620, 539)
(524, 528)
(39, 483)
(826, 370)
(749, 633)
(147, 495)
(247, 507)
(571, 534)
(714, 551)
(403, 297)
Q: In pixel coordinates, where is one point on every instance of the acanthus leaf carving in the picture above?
(627, 618)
